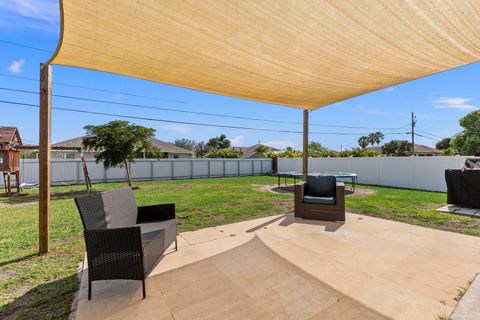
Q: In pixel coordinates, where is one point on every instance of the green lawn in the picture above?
(42, 287)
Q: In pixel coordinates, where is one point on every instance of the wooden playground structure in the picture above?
(10, 142)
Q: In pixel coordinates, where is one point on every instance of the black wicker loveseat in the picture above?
(124, 241)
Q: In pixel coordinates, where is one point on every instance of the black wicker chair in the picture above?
(123, 241)
(320, 198)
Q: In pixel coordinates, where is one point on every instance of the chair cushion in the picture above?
(91, 211)
(156, 238)
(120, 207)
(319, 200)
(155, 226)
(153, 243)
(321, 186)
(169, 228)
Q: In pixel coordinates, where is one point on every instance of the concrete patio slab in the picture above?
(281, 267)
(451, 208)
(468, 308)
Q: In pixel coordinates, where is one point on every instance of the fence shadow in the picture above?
(33, 197)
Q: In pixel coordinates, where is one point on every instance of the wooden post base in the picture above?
(7, 181)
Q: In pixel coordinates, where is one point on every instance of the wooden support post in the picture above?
(9, 186)
(17, 177)
(305, 144)
(44, 157)
(5, 183)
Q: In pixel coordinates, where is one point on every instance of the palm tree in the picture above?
(375, 138)
(363, 141)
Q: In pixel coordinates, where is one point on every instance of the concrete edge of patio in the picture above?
(468, 308)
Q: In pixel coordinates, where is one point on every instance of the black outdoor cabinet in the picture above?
(463, 185)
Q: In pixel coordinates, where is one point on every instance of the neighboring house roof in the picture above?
(162, 145)
(247, 151)
(169, 147)
(419, 148)
(7, 135)
(255, 155)
(70, 143)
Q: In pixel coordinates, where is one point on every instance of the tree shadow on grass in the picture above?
(51, 300)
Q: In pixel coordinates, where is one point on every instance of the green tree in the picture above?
(397, 148)
(186, 144)
(220, 142)
(288, 153)
(467, 142)
(201, 149)
(315, 149)
(28, 154)
(261, 148)
(118, 142)
(361, 153)
(223, 153)
(443, 144)
(375, 138)
(449, 152)
(364, 141)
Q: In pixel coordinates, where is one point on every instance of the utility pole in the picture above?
(414, 122)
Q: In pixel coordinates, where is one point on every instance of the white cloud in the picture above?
(462, 107)
(448, 100)
(455, 103)
(280, 144)
(390, 89)
(16, 66)
(237, 141)
(36, 14)
(36, 9)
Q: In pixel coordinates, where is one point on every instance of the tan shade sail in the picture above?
(297, 53)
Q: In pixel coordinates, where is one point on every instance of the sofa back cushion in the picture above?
(120, 207)
(91, 211)
(321, 186)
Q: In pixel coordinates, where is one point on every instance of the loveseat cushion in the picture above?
(153, 243)
(154, 226)
(120, 207)
(319, 200)
(169, 227)
(91, 211)
(322, 186)
(156, 238)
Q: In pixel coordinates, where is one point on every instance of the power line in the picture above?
(16, 103)
(191, 112)
(426, 137)
(95, 89)
(24, 46)
(429, 134)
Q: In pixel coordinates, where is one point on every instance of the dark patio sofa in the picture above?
(124, 241)
(320, 198)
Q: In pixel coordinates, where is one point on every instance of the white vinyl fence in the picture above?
(423, 173)
(71, 172)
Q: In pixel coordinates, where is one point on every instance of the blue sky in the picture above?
(439, 101)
